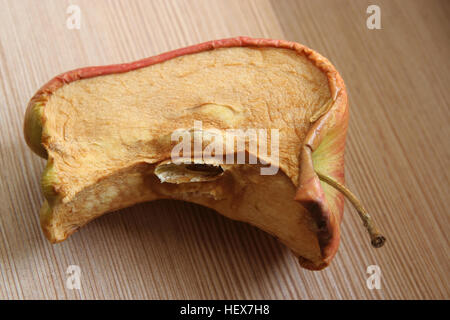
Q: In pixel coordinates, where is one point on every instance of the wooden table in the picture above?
(397, 155)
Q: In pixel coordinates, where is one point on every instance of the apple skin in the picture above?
(324, 151)
(323, 148)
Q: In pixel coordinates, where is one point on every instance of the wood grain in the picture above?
(397, 155)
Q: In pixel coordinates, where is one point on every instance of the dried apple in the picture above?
(107, 133)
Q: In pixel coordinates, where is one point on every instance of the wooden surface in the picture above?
(397, 156)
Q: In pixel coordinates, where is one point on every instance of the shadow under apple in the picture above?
(174, 249)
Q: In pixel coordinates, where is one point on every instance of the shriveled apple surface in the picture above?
(397, 155)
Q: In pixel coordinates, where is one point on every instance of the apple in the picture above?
(107, 133)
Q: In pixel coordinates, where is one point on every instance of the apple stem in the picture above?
(377, 239)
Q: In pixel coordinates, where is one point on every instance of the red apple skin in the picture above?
(326, 207)
(326, 140)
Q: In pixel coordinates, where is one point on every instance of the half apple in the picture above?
(108, 134)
